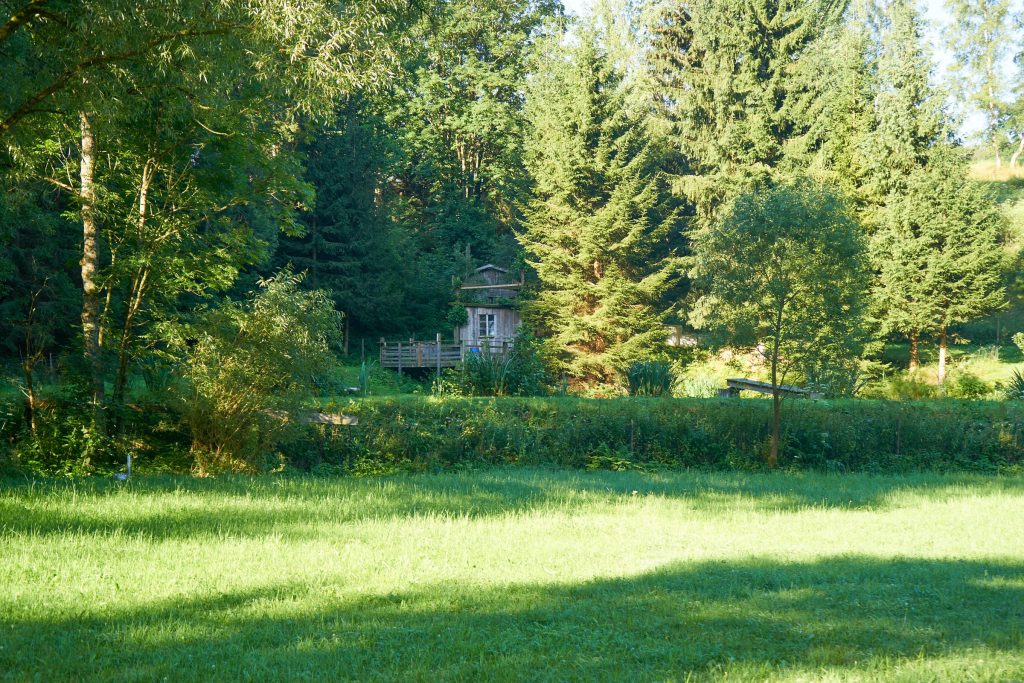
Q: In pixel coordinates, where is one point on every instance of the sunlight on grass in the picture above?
(511, 575)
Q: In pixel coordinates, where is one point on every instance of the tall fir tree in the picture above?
(730, 86)
(350, 246)
(906, 125)
(598, 227)
(907, 113)
(939, 256)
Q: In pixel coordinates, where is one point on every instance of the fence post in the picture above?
(399, 358)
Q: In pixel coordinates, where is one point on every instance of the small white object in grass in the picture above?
(123, 476)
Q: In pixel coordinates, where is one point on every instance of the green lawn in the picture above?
(515, 575)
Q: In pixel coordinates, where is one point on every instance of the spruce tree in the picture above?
(939, 257)
(350, 247)
(907, 149)
(731, 87)
(598, 225)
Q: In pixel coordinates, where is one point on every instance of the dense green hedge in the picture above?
(426, 433)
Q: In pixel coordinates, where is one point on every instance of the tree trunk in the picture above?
(135, 293)
(915, 358)
(1017, 152)
(28, 367)
(942, 355)
(90, 263)
(773, 453)
(773, 449)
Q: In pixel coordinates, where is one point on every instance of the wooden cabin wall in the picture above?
(506, 323)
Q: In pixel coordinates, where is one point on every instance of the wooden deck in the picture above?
(434, 355)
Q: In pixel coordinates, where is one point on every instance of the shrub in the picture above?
(908, 388)
(1018, 339)
(248, 367)
(522, 371)
(968, 385)
(649, 378)
(698, 385)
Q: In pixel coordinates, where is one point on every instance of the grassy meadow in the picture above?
(521, 574)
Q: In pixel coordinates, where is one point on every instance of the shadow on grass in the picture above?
(182, 508)
(752, 618)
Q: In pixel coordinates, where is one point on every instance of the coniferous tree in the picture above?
(350, 246)
(598, 225)
(939, 256)
(839, 83)
(906, 124)
(730, 86)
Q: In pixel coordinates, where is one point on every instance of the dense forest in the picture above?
(212, 212)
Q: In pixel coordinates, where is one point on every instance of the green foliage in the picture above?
(650, 378)
(1015, 388)
(969, 386)
(524, 370)
(600, 226)
(734, 95)
(852, 435)
(1018, 340)
(249, 368)
(784, 268)
(908, 387)
(938, 250)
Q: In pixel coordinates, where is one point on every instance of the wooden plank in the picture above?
(331, 419)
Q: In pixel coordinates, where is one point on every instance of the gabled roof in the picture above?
(490, 266)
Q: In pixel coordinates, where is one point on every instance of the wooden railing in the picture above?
(435, 355)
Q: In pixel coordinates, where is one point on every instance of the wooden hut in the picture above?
(490, 297)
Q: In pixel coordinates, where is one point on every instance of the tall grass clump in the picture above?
(649, 378)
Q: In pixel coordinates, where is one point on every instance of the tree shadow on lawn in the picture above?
(751, 618)
(182, 508)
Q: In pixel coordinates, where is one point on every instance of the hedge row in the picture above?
(428, 433)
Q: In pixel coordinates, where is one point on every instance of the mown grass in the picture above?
(515, 575)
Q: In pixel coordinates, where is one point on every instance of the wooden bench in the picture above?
(736, 385)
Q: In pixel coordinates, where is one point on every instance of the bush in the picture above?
(698, 385)
(968, 385)
(908, 388)
(523, 371)
(248, 369)
(848, 435)
(649, 378)
(1018, 339)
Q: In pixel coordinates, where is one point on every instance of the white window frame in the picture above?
(486, 325)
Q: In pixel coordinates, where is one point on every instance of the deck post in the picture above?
(437, 351)
(399, 358)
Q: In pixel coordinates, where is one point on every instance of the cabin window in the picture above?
(487, 324)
